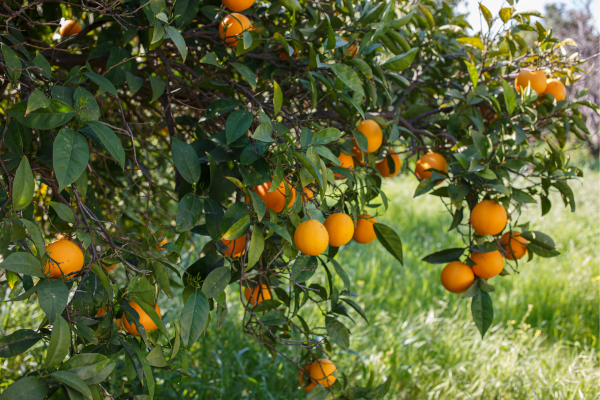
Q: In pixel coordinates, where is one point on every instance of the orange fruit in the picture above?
(69, 28)
(307, 194)
(162, 242)
(340, 228)
(384, 168)
(145, 320)
(312, 383)
(232, 27)
(488, 218)
(537, 80)
(236, 247)
(258, 294)
(557, 89)
(517, 249)
(285, 56)
(373, 133)
(430, 161)
(457, 277)
(359, 156)
(111, 268)
(311, 237)
(120, 323)
(487, 265)
(102, 311)
(276, 199)
(364, 232)
(238, 5)
(68, 256)
(346, 161)
(322, 371)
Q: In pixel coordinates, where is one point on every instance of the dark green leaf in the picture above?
(110, 140)
(390, 240)
(445, 256)
(186, 160)
(70, 156)
(402, 61)
(349, 77)
(237, 125)
(63, 211)
(337, 332)
(189, 211)
(273, 318)
(53, 296)
(102, 82)
(23, 263)
(60, 342)
(23, 186)
(216, 282)
(177, 40)
(73, 381)
(57, 114)
(18, 342)
(483, 311)
(194, 317)
(158, 87)
(246, 72)
(27, 388)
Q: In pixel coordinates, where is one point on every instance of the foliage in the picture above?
(144, 131)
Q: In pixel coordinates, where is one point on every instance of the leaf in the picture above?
(266, 305)
(60, 340)
(246, 72)
(53, 296)
(36, 237)
(483, 311)
(57, 114)
(277, 98)
(23, 263)
(566, 192)
(214, 215)
(110, 141)
(189, 211)
(177, 40)
(156, 358)
(63, 211)
(194, 316)
(23, 186)
(158, 87)
(41, 62)
(505, 14)
(348, 76)
(540, 239)
(292, 5)
(472, 72)
(257, 245)
(211, 59)
(102, 82)
(487, 15)
(356, 307)
(186, 160)
(70, 156)
(281, 231)
(263, 133)
(273, 318)
(390, 240)
(510, 97)
(325, 136)
(36, 100)
(18, 342)
(337, 332)
(471, 41)
(238, 229)
(12, 63)
(73, 381)
(402, 61)
(135, 82)
(363, 67)
(237, 125)
(220, 107)
(444, 256)
(27, 388)
(216, 281)
(340, 271)
(13, 138)
(185, 12)
(522, 197)
(361, 140)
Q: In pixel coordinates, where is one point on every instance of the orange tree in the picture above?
(132, 129)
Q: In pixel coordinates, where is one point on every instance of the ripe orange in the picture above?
(312, 383)
(364, 232)
(145, 320)
(517, 248)
(384, 168)
(322, 371)
(557, 89)
(236, 247)
(487, 265)
(340, 228)
(374, 135)
(537, 80)
(285, 56)
(457, 277)
(232, 27)
(162, 242)
(488, 218)
(238, 5)
(359, 156)
(68, 28)
(120, 323)
(307, 194)
(430, 161)
(311, 237)
(102, 311)
(347, 162)
(276, 199)
(111, 268)
(68, 256)
(258, 294)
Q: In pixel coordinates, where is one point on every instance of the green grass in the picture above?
(543, 343)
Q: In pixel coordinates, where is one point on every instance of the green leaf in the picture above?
(337, 332)
(185, 12)
(186, 160)
(361, 140)
(311, 167)
(53, 296)
(158, 87)
(189, 211)
(41, 62)
(216, 282)
(281, 231)
(471, 41)
(102, 82)
(424, 187)
(63, 211)
(263, 133)
(177, 40)
(402, 61)
(363, 67)
(86, 105)
(18, 342)
(237, 125)
(211, 59)
(214, 214)
(13, 138)
(221, 107)
(110, 141)
(277, 98)
(325, 136)
(23, 186)
(36, 237)
(73, 381)
(156, 358)
(70, 156)
(340, 271)
(257, 245)
(57, 114)
(151, 312)
(487, 15)
(540, 239)
(472, 72)
(23, 263)
(238, 229)
(483, 311)
(356, 307)
(566, 193)
(12, 63)
(390, 240)
(349, 77)
(292, 5)
(246, 72)
(445, 256)
(27, 388)
(510, 97)
(522, 197)
(194, 317)
(505, 14)
(273, 318)
(135, 82)
(36, 100)
(60, 342)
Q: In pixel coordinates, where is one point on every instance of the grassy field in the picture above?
(543, 343)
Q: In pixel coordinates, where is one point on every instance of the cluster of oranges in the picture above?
(235, 24)
(487, 218)
(537, 81)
